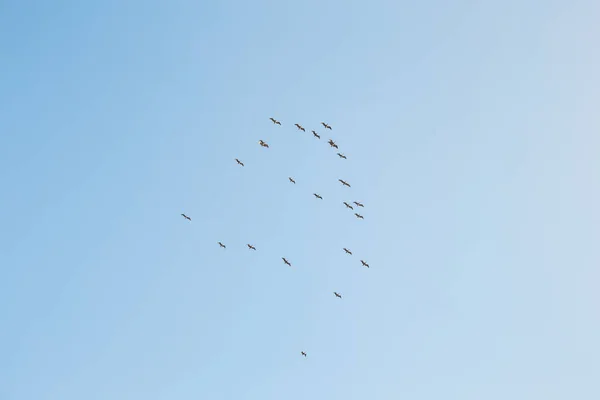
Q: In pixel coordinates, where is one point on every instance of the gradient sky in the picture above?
(472, 135)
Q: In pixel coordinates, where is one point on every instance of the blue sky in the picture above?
(471, 130)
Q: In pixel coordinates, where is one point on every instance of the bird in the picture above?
(364, 264)
(222, 245)
(186, 217)
(263, 144)
(292, 180)
(332, 143)
(317, 196)
(359, 216)
(286, 261)
(300, 127)
(347, 251)
(251, 247)
(358, 204)
(342, 156)
(275, 121)
(349, 206)
(326, 126)
(337, 295)
(303, 353)
(344, 182)
(239, 162)
(315, 134)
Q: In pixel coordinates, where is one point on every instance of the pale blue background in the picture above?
(472, 135)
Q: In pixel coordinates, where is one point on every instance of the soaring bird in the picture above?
(286, 261)
(364, 264)
(341, 155)
(222, 245)
(337, 295)
(251, 247)
(344, 182)
(186, 217)
(358, 204)
(332, 143)
(263, 144)
(315, 134)
(300, 127)
(292, 180)
(239, 162)
(325, 125)
(349, 206)
(317, 196)
(347, 251)
(303, 353)
(275, 121)
(359, 216)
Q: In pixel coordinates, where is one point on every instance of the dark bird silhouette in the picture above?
(291, 180)
(358, 204)
(317, 196)
(332, 144)
(186, 217)
(359, 216)
(326, 126)
(347, 251)
(286, 261)
(300, 127)
(275, 121)
(239, 162)
(341, 155)
(222, 245)
(303, 353)
(263, 144)
(337, 295)
(344, 182)
(251, 247)
(348, 206)
(364, 264)
(315, 134)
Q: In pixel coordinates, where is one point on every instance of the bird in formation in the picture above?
(332, 144)
(286, 261)
(348, 206)
(300, 127)
(275, 121)
(359, 216)
(251, 247)
(315, 134)
(364, 264)
(222, 245)
(263, 144)
(337, 295)
(347, 251)
(344, 182)
(317, 196)
(325, 125)
(292, 180)
(239, 162)
(358, 204)
(186, 217)
(342, 156)
(303, 353)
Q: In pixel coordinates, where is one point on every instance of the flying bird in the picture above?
(291, 180)
(315, 134)
(358, 204)
(239, 162)
(186, 217)
(348, 206)
(347, 251)
(364, 264)
(317, 196)
(275, 121)
(344, 182)
(286, 261)
(332, 143)
(341, 155)
(359, 216)
(263, 144)
(222, 245)
(300, 127)
(303, 353)
(326, 126)
(251, 247)
(337, 295)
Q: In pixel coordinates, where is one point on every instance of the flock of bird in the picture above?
(332, 144)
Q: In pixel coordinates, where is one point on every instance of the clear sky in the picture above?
(472, 135)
